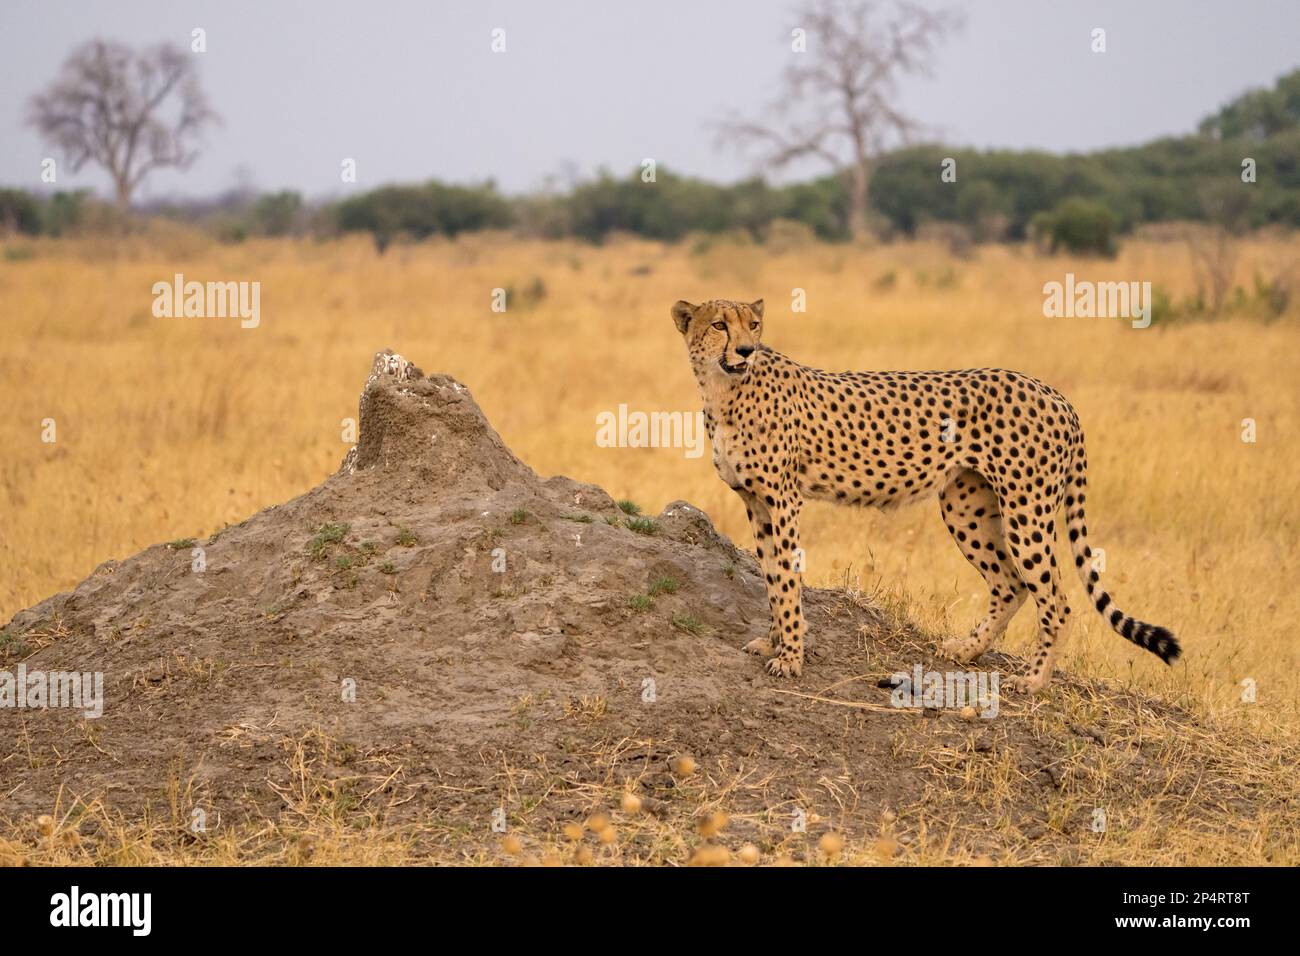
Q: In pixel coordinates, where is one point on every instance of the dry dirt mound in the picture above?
(522, 652)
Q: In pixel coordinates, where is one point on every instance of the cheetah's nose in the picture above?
(744, 351)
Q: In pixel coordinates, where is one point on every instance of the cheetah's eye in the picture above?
(720, 326)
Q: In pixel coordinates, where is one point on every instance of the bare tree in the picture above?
(839, 100)
(129, 112)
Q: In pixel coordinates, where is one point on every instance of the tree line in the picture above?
(1241, 170)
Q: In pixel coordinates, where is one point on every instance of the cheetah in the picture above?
(1003, 451)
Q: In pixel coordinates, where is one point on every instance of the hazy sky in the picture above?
(412, 90)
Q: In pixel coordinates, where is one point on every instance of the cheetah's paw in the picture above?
(957, 649)
(783, 666)
(760, 646)
(1029, 684)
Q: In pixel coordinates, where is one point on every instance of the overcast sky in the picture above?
(412, 90)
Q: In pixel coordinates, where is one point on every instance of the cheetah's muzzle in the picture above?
(1002, 451)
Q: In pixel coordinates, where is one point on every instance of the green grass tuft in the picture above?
(326, 535)
(691, 624)
(664, 585)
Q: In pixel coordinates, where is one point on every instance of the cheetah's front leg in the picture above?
(776, 539)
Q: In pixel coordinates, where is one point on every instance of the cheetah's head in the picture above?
(720, 334)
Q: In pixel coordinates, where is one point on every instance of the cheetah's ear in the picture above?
(757, 307)
(683, 311)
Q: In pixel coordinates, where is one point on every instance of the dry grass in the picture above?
(172, 428)
(625, 802)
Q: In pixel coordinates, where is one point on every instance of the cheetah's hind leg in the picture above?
(970, 511)
(1032, 545)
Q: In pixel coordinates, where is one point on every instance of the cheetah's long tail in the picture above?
(1158, 640)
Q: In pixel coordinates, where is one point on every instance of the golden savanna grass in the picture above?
(173, 428)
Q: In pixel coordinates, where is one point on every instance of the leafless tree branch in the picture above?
(848, 79)
(129, 112)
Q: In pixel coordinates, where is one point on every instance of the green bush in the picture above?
(278, 214)
(19, 212)
(1079, 226)
(422, 211)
